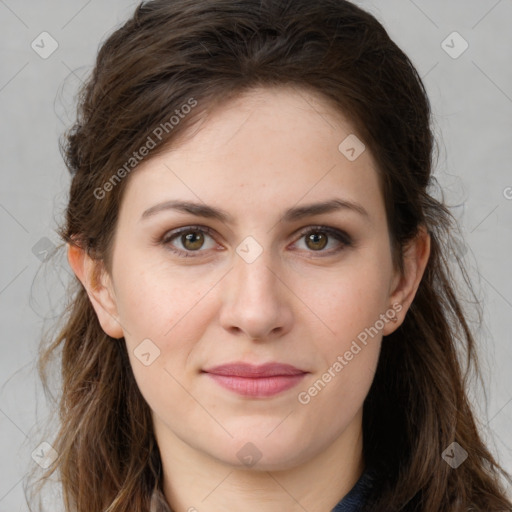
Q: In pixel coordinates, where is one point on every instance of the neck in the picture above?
(196, 482)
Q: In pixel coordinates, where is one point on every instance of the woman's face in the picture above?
(282, 256)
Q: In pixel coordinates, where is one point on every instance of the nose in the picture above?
(256, 301)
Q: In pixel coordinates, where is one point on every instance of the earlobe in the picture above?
(98, 285)
(415, 257)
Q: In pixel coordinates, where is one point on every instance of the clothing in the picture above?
(357, 496)
(351, 502)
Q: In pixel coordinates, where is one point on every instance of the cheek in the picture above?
(153, 300)
(164, 320)
(348, 300)
(341, 385)
(348, 382)
(164, 314)
(350, 305)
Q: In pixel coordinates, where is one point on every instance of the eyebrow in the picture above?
(290, 215)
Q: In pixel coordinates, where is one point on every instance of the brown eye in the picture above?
(316, 241)
(192, 240)
(317, 238)
(187, 241)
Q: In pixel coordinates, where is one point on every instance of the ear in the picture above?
(98, 285)
(405, 285)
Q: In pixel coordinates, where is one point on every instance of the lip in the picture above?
(256, 381)
(239, 369)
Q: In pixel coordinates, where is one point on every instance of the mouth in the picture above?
(256, 381)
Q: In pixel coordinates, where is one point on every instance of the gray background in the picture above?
(472, 102)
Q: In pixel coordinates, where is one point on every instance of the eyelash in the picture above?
(341, 236)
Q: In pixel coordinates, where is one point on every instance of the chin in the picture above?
(260, 454)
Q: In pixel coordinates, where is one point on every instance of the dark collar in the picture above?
(351, 502)
(358, 495)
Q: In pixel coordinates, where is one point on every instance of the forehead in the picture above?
(280, 144)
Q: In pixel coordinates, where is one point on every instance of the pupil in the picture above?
(316, 238)
(190, 238)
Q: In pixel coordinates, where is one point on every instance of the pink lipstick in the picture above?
(256, 381)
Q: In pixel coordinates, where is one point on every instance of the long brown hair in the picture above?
(201, 54)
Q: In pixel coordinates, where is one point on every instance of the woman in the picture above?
(264, 316)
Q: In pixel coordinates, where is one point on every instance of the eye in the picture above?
(318, 237)
(191, 239)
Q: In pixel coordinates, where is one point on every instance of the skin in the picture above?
(298, 302)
